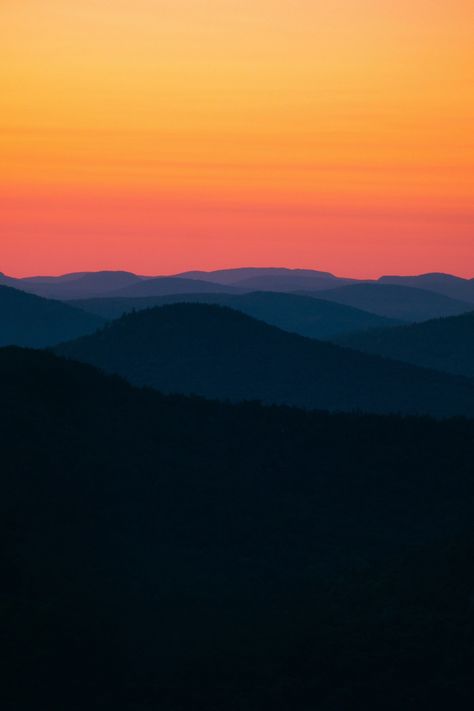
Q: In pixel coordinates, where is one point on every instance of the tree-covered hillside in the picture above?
(220, 353)
(173, 553)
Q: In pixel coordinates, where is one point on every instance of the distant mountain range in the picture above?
(445, 344)
(281, 279)
(307, 316)
(254, 278)
(162, 286)
(221, 353)
(84, 285)
(73, 286)
(29, 320)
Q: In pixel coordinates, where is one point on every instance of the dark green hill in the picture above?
(221, 353)
(405, 303)
(446, 344)
(310, 317)
(170, 553)
(28, 320)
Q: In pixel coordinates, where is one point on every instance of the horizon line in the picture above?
(231, 268)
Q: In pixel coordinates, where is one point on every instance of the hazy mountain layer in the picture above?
(92, 284)
(29, 320)
(447, 284)
(251, 275)
(78, 285)
(395, 301)
(444, 344)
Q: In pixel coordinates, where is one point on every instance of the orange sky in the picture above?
(163, 135)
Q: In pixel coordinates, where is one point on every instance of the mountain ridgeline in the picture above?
(73, 286)
(445, 344)
(29, 320)
(220, 353)
(172, 553)
(257, 277)
(163, 286)
(395, 301)
(446, 284)
(307, 316)
(84, 285)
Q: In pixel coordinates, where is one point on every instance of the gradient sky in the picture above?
(164, 135)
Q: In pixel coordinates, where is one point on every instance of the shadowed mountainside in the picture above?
(172, 553)
(221, 353)
(297, 314)
(29, 320)
(445, 344)
(394, 301)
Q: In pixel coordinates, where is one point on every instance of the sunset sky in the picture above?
(164, 135)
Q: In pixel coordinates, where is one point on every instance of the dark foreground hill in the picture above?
(307, 316)
(405, 303)
(28, 320)
(445, 344)
(221, 353)
(170, 553)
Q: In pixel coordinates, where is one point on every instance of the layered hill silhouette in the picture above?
(297, 314)
(161, 286)
(82, 285)
(171, 553)
(85, 285)
(270, 278)
(395, 301)
(78, 285)
(453, 286)
(445, 344)
(29, 320)
(282, 279)
(220, 353)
